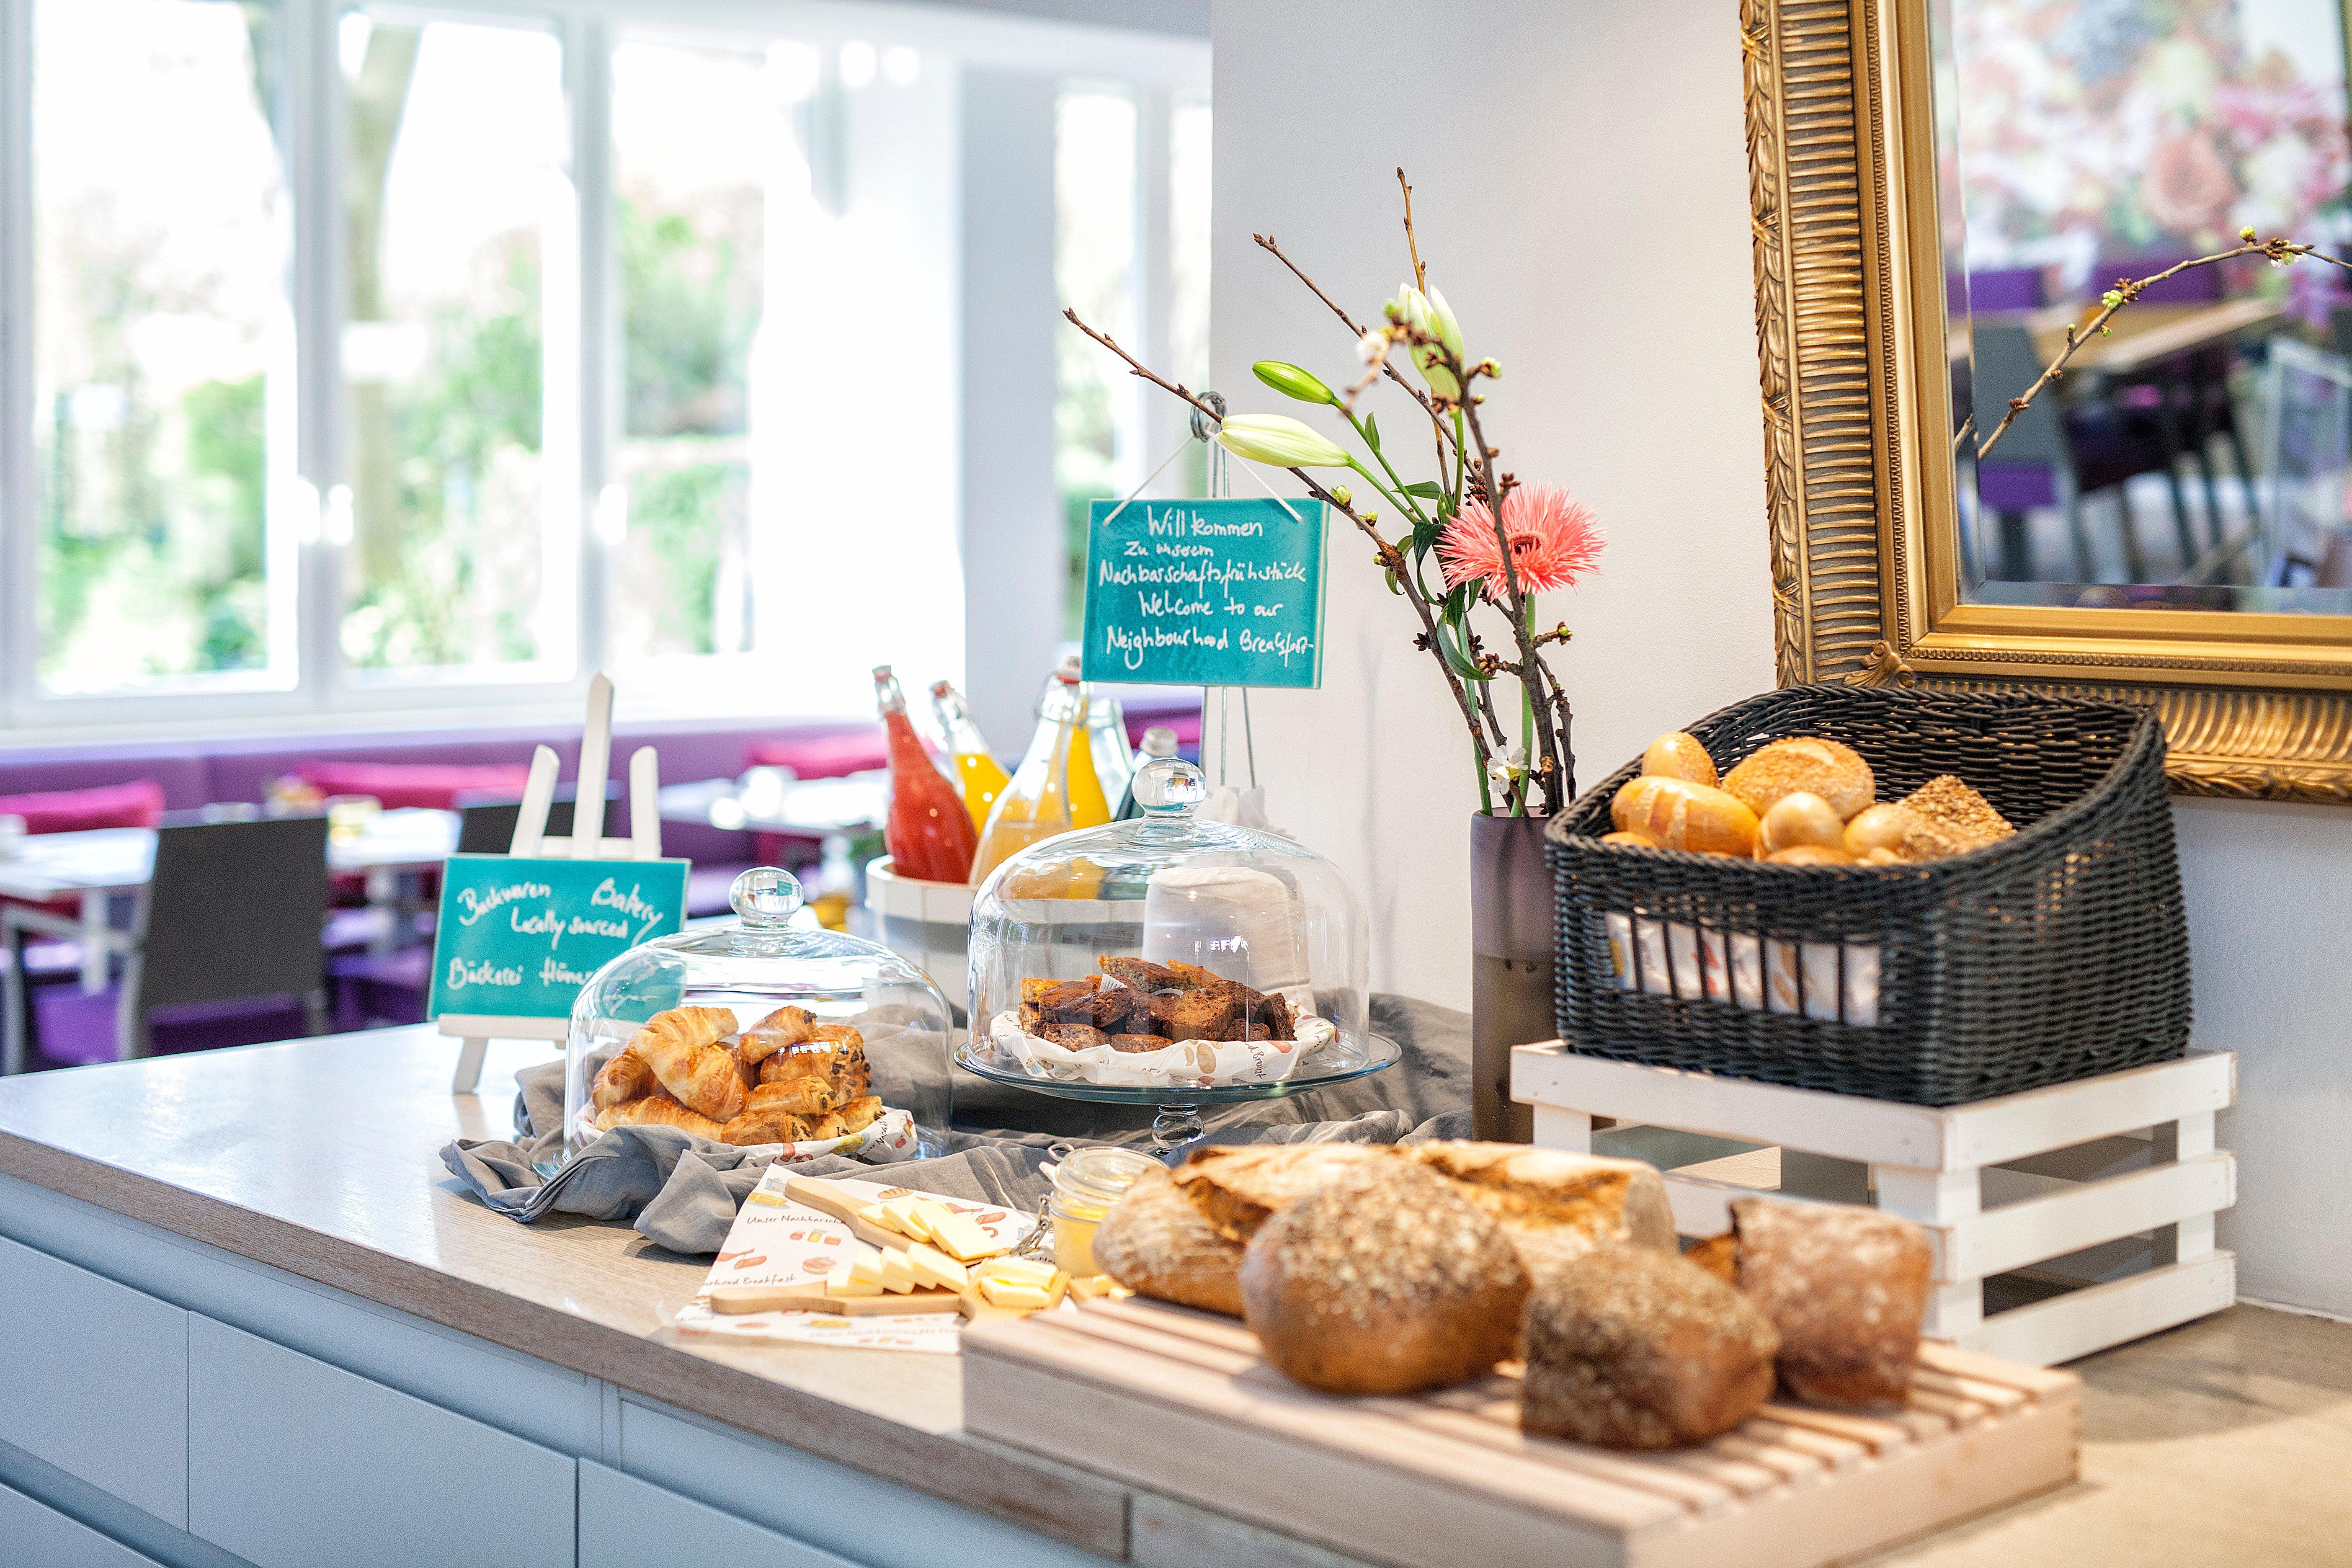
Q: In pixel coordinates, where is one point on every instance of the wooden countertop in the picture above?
(2218, 1442)
(321, 1157)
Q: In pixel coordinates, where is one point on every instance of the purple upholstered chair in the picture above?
(228, 949)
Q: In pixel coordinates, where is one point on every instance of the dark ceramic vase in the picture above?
(1511, 951)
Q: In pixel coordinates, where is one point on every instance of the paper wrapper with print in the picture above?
(777, 1242)
(1830, 980)
(1181, 1064)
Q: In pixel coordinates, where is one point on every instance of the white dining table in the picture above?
(95, 865)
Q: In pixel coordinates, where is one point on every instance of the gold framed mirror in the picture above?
(1895, 556)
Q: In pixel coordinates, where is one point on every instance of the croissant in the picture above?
(622, 1079)
(680, 1045)
(795, 1096)
(658, 1110)
(785, 1027)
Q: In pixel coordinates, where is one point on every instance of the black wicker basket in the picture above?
(2060, 953)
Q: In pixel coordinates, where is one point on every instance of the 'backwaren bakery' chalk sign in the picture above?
(517, 939)
(1205, 593)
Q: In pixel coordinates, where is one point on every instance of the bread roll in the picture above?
(1684, 816)
(1802, 818)
(1238, 1189)
(1678, 756)
(1876, 827)
(1844, 1286)
(1383, 1281)
(623, 1077)
(1156, 1243)
(1555, 1208)
(1639, 840)
(1808, 855)
(660, 1111)
(1826, 768)
(1639, 1349)
(681, 1047)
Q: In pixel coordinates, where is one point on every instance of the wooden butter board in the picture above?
(1182, 1403)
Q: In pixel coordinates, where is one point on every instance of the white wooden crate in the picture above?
(2108, 1185)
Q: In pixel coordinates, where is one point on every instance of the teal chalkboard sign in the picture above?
(1205, 593)
(518, 938)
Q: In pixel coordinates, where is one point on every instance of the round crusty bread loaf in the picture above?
(1383, 1280)
(1156, 1243)
(1635, 1348)
(1845, 1288)
(1830, 769)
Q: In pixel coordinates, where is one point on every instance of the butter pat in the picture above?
(895, 1273)
(929, 1214)
(868, 1270)
(1015, 1297)
(899, 1214)
(844, 1282)
(936, 1269)
(1021, 1271)
(959, 1237)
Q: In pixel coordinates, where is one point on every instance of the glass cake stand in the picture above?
(1178, 1124)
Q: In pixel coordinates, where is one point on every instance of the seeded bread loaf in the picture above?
(1383, 1280)
(1845, 1288)
(1238, 1189)
(1554, 1206)
(1155, 1242)
(1634, 1348)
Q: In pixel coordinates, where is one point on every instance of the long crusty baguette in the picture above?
(620, 1080)
(659, 1110)
(682, 1047)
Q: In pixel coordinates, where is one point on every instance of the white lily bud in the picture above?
(1280, 441)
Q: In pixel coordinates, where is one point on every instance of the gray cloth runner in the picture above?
(681, 1192)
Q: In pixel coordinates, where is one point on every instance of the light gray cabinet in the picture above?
(625, 1523)
(294, 1462)
(33, 1533)
(99, 1382)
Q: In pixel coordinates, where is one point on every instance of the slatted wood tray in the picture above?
(1182, 1403)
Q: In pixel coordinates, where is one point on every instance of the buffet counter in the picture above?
(255, 1317)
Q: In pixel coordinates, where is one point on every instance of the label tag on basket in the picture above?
(1205, 593)
(517, 939)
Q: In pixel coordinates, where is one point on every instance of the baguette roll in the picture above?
(1639, 840)
(1678, 755)
(1828, 769)
(1808, 855)
(1680, 814)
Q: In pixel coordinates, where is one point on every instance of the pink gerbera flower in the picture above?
(1555, 540)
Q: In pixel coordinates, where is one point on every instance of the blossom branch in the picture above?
(1266, 243)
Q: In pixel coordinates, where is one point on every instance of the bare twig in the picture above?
(2279, 251)
(1387, 555)
(1412, 245)
(1532, 672)
(1266, 243)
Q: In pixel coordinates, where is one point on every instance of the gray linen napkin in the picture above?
(681, 1192)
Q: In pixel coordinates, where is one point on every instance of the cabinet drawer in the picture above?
(292, 1463)
(36, 1532)
(99, 1382)
(625, 1523)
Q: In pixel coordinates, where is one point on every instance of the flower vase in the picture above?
(1512, 945)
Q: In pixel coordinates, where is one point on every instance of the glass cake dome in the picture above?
(1169, 959)
(766, 1029)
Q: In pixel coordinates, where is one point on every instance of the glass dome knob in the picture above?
(766, 896)
(1169, 786)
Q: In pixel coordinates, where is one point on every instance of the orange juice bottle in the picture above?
(977, 772)
(1056, 788)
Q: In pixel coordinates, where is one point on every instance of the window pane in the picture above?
(1094, 271)
(464, 523)
(161, 337)
(694, 131)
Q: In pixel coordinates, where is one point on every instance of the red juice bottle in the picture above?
(929, 834)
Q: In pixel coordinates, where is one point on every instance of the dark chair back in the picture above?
(488, 828)
(2005, 366)
(234, 909)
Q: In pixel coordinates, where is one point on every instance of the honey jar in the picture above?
(1084, 1187)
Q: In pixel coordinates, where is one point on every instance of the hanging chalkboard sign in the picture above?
(1205, 593)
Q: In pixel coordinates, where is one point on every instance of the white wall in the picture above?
(1581, 198)
(1587, 215)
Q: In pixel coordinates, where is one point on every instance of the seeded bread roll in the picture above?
(1680, 814)
(1844, 1286)
(1384, 1280)
(1830, 769)
(1634, 1348)
(1154, 1242)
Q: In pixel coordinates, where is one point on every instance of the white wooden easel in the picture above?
(2109, 1184)
(477, 1030)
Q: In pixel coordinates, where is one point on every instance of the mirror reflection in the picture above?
(2196, 454)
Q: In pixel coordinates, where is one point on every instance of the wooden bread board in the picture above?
(1181, 1403)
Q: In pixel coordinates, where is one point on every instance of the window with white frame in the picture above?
(380, 358)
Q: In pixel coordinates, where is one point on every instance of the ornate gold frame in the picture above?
(1850, 342)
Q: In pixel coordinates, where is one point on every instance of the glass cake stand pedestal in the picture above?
(1178, 1124)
